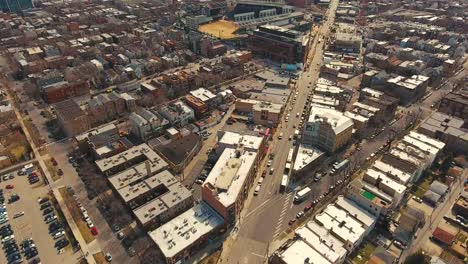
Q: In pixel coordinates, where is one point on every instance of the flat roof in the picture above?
(384, 179)
(96, 131)
(390, 170)
(320, 245)
(267, 106)
(203, 94)
(420, 145)
(133, 153)
(235, 139)
(357, 212)
(341, 224)
(306, 154)
(229, 174)
(338, 121)
(299, 251)
(181, 232)
(176, 194)
(427, 140)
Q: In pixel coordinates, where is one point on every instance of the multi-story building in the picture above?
(277, 43)
(408, 90)
(177, 113)
(330, 237)
(71, 118)
(448, 129)
(328, 129)
(146, 124)
(262, 112)
(227, 185)
(184, 235)
(135, 155)
(455, 104)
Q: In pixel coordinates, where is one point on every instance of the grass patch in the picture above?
(52, 169)
(76, 215)
(364, 253)
(99, 258)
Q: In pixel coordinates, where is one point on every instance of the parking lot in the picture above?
(31, 224)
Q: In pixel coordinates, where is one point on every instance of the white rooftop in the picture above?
(427, 140)
(327, 246)
(395, 172)
(385, 180)
(306, 154)
(420, 145)
(357, 212)
(186, 229)
(299, 252)
(234, 139)
(229, 174)
(336, 119)
(203, 94)
(341, 224)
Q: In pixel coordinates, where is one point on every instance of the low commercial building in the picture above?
(180, 151)
(307, 158)
(263, 113)
(228, 183)
(327, 129)
(184, 235)
(135, 155)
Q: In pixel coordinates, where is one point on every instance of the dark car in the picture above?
(61, 243)
(43, 200)
(54, 227)
(45, 205)
(13, 198)
(47, 211)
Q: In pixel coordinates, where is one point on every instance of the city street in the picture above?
(267, 216)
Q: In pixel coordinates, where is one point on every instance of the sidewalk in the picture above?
(46, 173)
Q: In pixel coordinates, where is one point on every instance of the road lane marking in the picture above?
(258, 255)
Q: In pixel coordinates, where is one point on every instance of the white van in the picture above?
(257, 190)
(280, 135)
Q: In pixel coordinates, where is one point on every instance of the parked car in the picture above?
(58, 234)
(18, 214)
(43, 200)
(45, 205)
(9, 186)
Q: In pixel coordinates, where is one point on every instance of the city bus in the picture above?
(284, 183)
(290, 155)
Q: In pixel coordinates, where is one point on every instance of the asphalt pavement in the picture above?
(268, 213)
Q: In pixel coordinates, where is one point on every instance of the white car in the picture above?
(8, 238)
(269, 163)
(59, 234)
(90, 224)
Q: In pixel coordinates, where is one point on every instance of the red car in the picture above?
(308, 207)
(292, 221)
(94, 231)
(59, 172)
(264, 174)
(10, 186)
